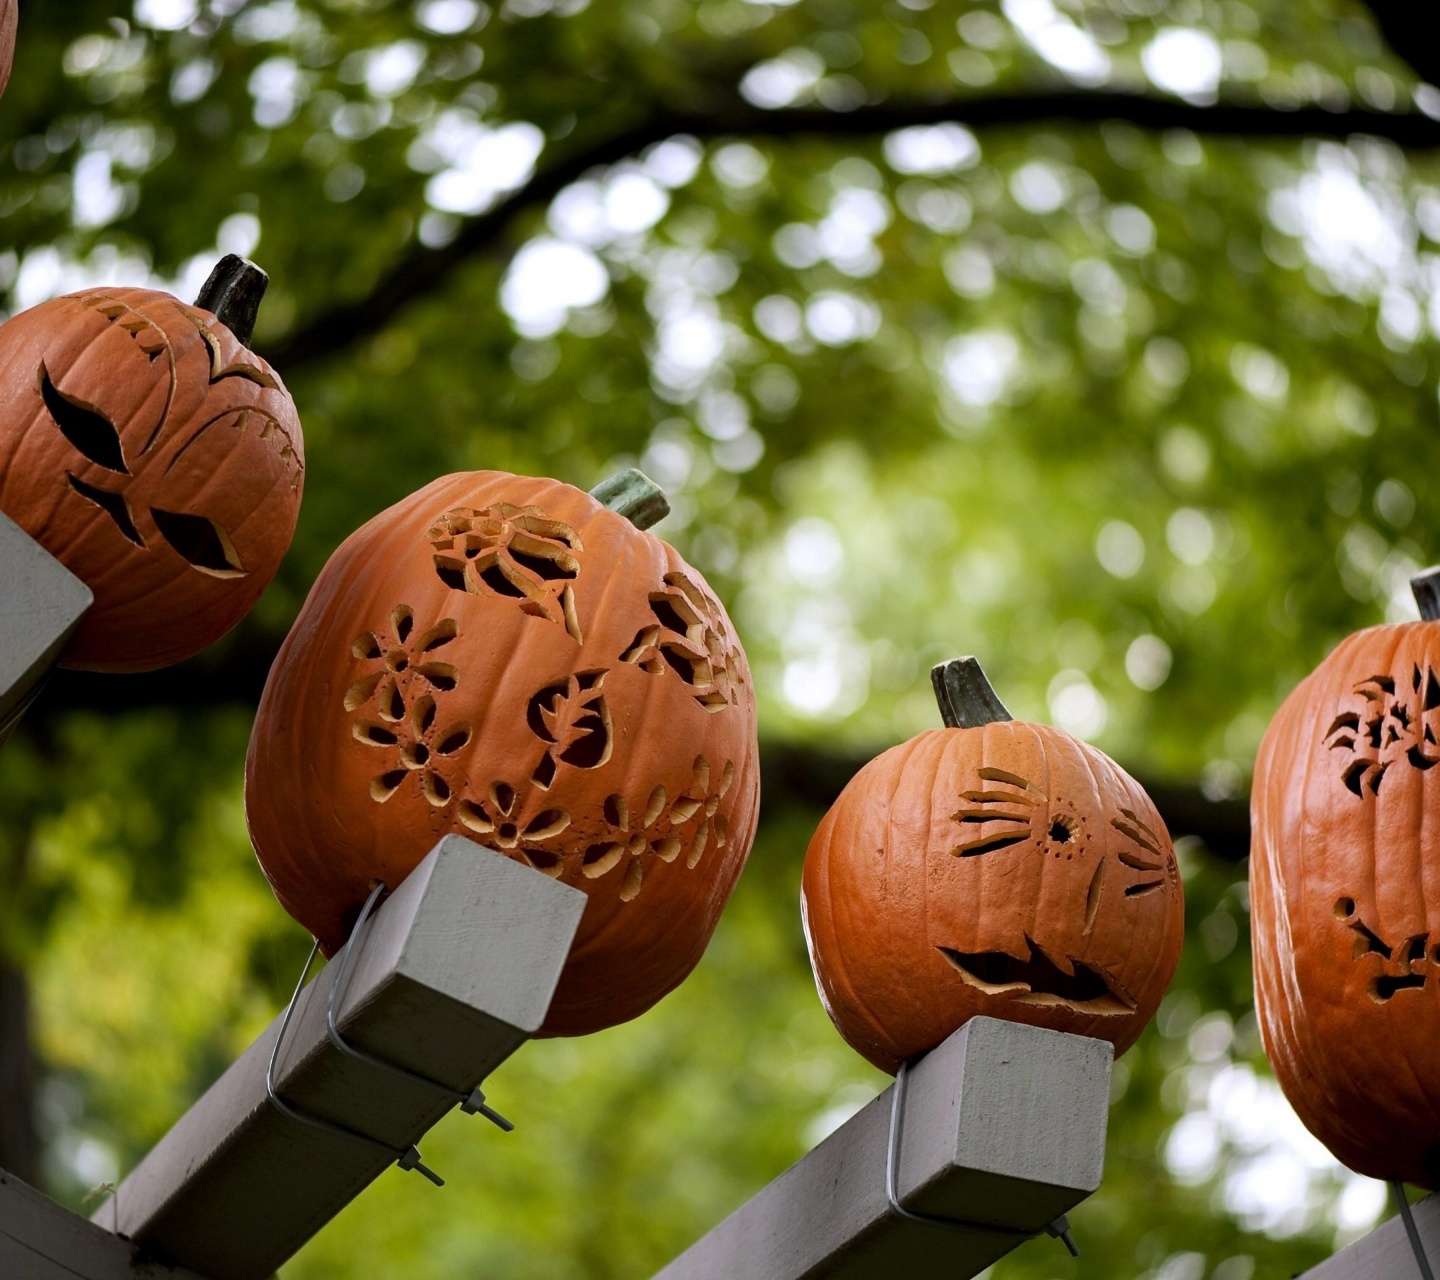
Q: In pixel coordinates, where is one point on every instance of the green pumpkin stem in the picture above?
(635, 496)
(1425, 586)
(233, 292)
(966, 699)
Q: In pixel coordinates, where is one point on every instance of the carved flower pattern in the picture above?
(400, 693)
(493, 818)
(688, 637)
(515, 552)
(398, 701)
(658, 832)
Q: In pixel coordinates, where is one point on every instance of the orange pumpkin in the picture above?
(9, 17)
(508, 659)
(1345, 898)
(161, 461)
(991, 867)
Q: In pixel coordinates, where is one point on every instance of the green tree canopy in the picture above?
(1095, 337)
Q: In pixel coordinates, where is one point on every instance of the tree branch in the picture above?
(813, 775)
(1410, 34)
(804, 774)
(422, 270)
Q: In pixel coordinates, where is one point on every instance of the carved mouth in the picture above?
(1037, 978)
(1399, 964)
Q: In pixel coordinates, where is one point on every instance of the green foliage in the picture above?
(1140, 418)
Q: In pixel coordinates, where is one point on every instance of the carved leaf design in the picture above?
(516, 553)
(92, 434)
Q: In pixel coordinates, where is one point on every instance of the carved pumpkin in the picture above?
(991, 867)
(508, 659)
(161, 461)
(9, 17)
(1345, 898)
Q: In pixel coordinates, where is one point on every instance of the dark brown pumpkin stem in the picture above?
(233, 292)
(966, 699)
(635, 496)
(1425, 586)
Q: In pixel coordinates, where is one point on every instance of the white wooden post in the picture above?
(1003, 1127)
(457, 968)
(1385, 1254)
(41, 603)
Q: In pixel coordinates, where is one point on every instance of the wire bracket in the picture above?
(407, 1158)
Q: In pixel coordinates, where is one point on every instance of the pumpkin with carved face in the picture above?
(145, 447)
(991, 867)
(1345, 898)
(508, 659)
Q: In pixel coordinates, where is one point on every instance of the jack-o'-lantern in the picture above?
(159, 459)
(9, 17)
(511, 660)
(1345, 897)
(991, 867)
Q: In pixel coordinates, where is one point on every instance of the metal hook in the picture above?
(406, 1158)
(1059, 1228)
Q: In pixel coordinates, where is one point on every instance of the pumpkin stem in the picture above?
(1425, 586)
(966, 699)
(233, 292)
(635, 496)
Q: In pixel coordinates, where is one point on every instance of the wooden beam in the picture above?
(1385, 1254)
(42, 1240)
(457, 968)
(41, 604)
(1003, 1127)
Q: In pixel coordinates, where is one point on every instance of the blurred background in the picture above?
(1094, 337)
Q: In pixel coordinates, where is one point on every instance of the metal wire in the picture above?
(405, 1158)
(1059, 1228)
(1397, 1188)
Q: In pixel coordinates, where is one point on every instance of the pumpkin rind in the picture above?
(9, 18)
(1345, 900)
(1007, 870)
(504, 658)
(157, 458)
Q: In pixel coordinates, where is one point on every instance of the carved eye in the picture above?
(201, 542)
(90, 433)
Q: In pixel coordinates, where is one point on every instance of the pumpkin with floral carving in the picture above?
(147, 448)
(990, 867)
(513, 660)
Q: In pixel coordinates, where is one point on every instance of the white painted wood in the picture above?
(457, 969)
(42, 1240)
(41, 603)
(1004, 1125)
(1385, 1253)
